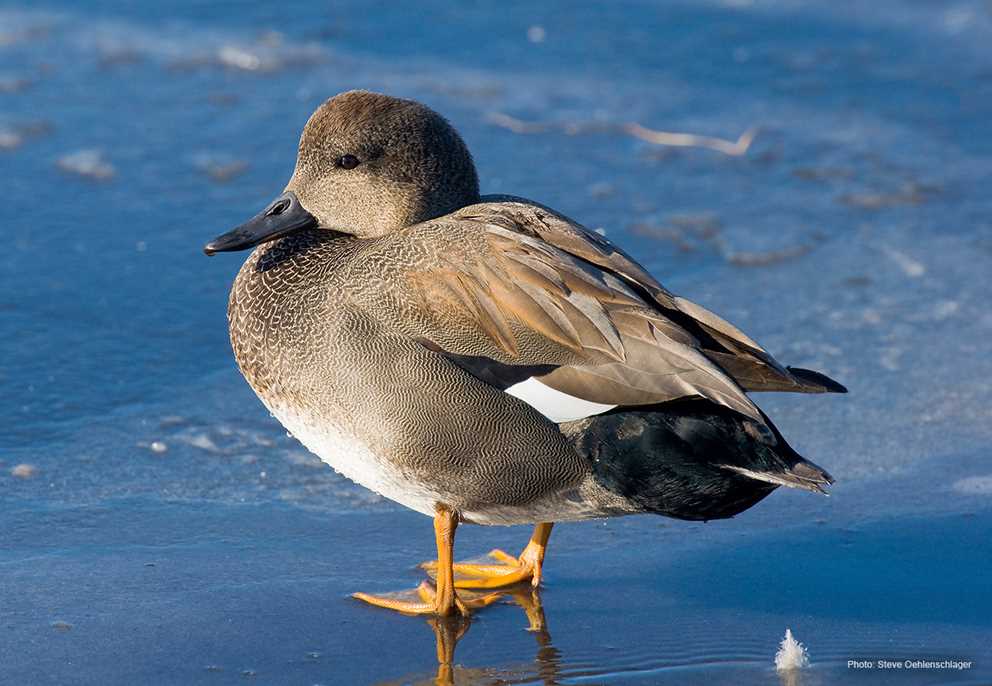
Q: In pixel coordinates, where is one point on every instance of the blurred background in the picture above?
(832, 200)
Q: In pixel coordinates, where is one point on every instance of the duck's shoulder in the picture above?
(462, 230)
(539, 221)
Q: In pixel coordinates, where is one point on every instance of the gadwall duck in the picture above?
(487, 359)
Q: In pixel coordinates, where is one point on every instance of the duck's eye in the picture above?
(347, 162)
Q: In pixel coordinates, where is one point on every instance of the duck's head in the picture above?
(368, 164)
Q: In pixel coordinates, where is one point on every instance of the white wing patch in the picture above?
(553, 404)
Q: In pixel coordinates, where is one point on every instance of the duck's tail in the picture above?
(804, 474)
(787, 468)
(691, 459)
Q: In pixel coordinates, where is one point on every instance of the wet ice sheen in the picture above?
(853, 237)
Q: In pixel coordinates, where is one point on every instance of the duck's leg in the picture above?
(509, 570)
(439, 600)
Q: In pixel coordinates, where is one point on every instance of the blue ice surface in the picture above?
(164, 529)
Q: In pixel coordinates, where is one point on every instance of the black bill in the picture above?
(284, 215)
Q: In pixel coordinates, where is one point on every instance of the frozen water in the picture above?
(853, 236)
(87, 163)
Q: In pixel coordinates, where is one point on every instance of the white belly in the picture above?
(354, 460)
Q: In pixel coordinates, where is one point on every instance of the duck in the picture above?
(486, 359)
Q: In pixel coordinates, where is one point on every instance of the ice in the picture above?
(10, 139)
(911, 267)
(24, 471)
(219, 167)
(974, 485)
(239, 58)
(89, 163)
(851, 235)
(791, 654)
(536, 34)
(13, 83)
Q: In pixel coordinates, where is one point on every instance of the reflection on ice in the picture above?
(545, 668)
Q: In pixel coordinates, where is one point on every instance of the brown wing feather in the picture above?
(533, 219)
(741, 357)
(609, 344)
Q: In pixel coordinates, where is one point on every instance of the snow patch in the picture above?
(89, 163)
(791, 654)
(203, 442)
(974, 485)
(912, 268)
(24, 471)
